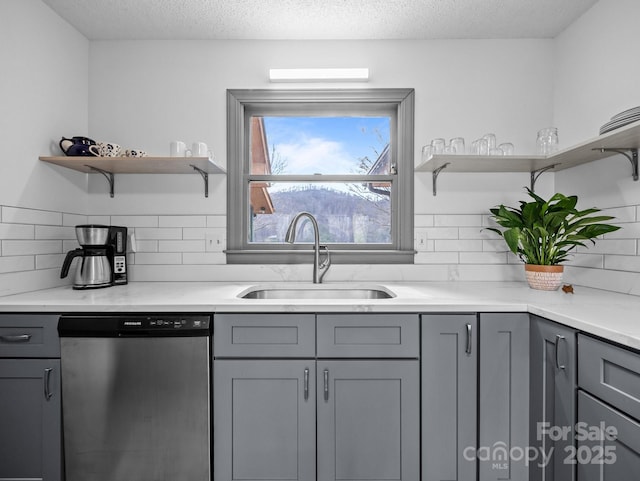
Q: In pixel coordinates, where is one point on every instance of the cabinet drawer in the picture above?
(614, 456)
(368, 335)
(612, 373)
(264, 335)
(29, 335)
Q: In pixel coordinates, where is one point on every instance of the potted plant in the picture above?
(543, 232)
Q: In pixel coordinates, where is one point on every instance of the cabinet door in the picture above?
(368, 420)
(264, 420)
(30, 430)
(615, 457)
(553, 398)
(504, 396)
(449, 363)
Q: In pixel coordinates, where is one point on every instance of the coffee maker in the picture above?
(102, 254)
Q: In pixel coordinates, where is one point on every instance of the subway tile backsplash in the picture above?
(453, 247)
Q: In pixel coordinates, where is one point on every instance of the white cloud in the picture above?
(315, 155)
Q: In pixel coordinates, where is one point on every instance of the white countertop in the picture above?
(610, 315)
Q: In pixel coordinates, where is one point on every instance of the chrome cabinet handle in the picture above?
(558, 339)
(469, 344)
(17, 338)
(306, 383)
(47, 383)
(326, 384)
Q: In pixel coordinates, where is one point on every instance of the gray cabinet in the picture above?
(368, 420)
(271, 390)
(553, 398)
(614, 456)
(504, 396)
(30, 419)
(449, 362)
(609, 403)
(475, 389)
(264, 420)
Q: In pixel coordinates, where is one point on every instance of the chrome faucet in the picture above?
(318, 266)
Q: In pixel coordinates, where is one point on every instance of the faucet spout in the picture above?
(318, 266)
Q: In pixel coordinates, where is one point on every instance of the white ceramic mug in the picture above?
(199, 149)
(178, 148)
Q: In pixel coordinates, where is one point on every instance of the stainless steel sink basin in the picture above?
(317, 292)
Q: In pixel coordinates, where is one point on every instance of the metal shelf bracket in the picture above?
(205, 178)
(435, 175)
(633, 158)
(108, 175)
(537, 173)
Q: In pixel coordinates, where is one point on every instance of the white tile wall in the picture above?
(453, 247)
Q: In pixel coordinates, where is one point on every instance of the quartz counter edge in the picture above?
(605, 314)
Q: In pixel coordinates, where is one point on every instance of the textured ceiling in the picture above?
(319, 19)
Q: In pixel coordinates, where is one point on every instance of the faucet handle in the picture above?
(326, 263)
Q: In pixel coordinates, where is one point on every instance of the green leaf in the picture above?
(512, 237)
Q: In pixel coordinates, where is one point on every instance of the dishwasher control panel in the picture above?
(165, 322)
(122, 325)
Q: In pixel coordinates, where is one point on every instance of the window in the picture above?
(345, 156)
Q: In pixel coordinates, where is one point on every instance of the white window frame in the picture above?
(242, 104)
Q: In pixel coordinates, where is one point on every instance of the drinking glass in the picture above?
(426, 152)
(483, 146)
(496, 151)
(457, 145)
(491, 140)
(547, 142)
(507, 148)
(437, 146)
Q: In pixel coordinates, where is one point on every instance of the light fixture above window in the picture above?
(319, 74)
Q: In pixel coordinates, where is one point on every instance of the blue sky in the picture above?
(326, 145)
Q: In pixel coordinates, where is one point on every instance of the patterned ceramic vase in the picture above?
(546, 278)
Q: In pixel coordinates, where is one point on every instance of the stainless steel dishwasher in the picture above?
(136, 397)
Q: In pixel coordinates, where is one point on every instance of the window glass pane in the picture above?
(347, 213)
(305, 145)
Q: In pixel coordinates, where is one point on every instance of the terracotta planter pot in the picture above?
(546, 278)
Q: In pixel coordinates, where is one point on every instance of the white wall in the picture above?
(43, 96)
(596, 76)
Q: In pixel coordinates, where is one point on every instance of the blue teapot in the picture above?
(77, 146)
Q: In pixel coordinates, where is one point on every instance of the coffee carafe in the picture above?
(94, 268)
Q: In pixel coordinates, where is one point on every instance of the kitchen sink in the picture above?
(317, 292)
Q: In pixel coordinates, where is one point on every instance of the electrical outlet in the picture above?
(420, 240)
(215, 240)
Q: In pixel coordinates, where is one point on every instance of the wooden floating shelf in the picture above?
(108, 166)
(137, 165)
(625, 141)
(483, 163)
